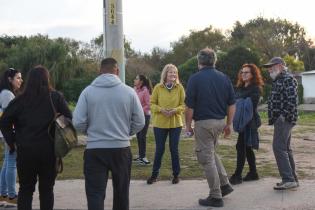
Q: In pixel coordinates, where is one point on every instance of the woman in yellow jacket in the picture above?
(167, 107)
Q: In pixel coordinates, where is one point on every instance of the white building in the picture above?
(308, 82)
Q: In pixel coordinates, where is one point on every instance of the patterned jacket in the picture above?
(283, 99)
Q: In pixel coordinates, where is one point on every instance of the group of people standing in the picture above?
(28, 145)
(109, 112)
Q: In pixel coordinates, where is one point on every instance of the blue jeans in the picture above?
(8, 174)
(160, 139)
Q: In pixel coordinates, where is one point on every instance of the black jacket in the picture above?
(26, 124)
(253, 92)
(250, 133)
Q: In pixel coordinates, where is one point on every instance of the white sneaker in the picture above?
(285, 185)
(144, 161)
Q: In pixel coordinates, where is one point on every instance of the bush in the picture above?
(266, 92)
(187, 69)
(73, 88)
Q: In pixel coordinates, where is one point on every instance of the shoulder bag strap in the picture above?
(52, 105)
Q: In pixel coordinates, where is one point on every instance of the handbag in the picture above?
(65, 136)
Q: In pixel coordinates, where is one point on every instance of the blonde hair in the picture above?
(165, 70)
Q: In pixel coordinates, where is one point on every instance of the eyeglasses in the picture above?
(245, 72)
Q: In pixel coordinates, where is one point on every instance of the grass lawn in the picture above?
(190, 169)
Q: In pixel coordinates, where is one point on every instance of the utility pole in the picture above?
(113, 38)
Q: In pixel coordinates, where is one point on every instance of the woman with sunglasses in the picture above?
(249, 84)
(10, 83)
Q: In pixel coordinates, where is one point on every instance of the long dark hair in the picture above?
(37, 85)
(4, 80)
(146, 82)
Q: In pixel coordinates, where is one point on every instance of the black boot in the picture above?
(226, 189)
(251, 177)
(209, 201)
(235, 179)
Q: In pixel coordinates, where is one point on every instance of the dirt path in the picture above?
(302, 143)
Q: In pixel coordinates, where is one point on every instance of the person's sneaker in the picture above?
(151, 180)
(175, 180)
(226, 189)
(144, 161)
(280, 183)
(137, 159)
(12, 200)
(250, 177)
(3, 198)
(234, 179)
(209, 201)
(285, 186)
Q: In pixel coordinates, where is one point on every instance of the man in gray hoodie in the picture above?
(109, 112)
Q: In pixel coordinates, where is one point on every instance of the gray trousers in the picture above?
(282, 149)
(206, 134)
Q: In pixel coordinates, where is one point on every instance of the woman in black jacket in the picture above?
(249, 84)
(24, 125)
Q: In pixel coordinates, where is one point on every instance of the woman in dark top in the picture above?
(30, 114)
(249, 84)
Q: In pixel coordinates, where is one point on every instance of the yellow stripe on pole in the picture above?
(112, 12)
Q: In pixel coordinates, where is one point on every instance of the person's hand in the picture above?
(165, 112)
(172, 112)
(227, 130)
(189, 132)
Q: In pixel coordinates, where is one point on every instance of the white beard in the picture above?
(274, 75)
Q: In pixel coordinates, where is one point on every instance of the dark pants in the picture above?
(35, 162)
(160, 139)
(142, 137)
(97, 164)
(244, 152)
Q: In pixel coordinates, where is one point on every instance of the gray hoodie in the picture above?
(109, 112)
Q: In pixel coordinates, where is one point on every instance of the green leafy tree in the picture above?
(187, 69)
(293, 64)
(270, 37)
(231, 62)
(188, 46)
(309, 58)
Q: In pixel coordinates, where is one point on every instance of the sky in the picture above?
(147, 23)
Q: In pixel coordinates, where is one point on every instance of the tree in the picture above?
(270, 37)
(135, 66)
(231, 62)
(309, 58)
(293, 64)
(66, 59)
(187, 69)
(188, 46)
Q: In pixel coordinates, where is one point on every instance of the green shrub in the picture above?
(266, 92)
(73, 88)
